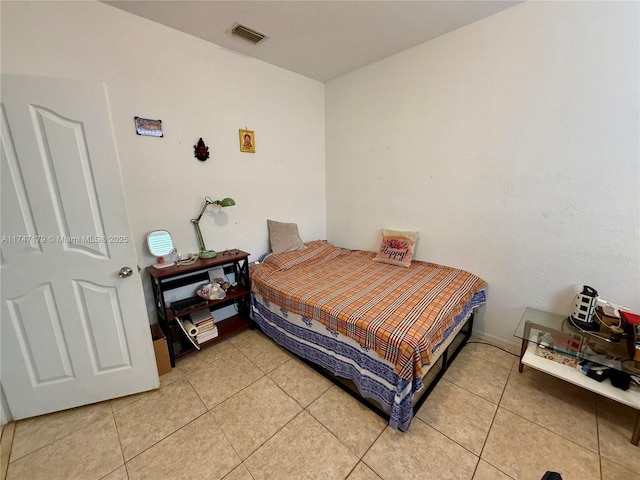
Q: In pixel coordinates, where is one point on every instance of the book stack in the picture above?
(204, 322)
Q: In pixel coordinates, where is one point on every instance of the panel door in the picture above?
(73, 330)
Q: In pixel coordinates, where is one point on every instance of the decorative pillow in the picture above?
(284, 237)
(396, 247)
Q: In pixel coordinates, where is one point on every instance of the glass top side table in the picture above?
(601, 346)
(543, 332)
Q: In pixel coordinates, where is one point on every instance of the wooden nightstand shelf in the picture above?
(177, 277)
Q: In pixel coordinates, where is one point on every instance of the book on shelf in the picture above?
(205, 328)
(201, 316)
(203, 337)
(209, 321)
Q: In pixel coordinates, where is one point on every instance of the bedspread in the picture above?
(401, 313)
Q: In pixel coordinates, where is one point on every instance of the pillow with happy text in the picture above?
(396, 247)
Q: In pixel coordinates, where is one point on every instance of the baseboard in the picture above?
(512, 346)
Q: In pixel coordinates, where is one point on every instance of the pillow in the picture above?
(317, 250)
(284, 237)
(396, 247)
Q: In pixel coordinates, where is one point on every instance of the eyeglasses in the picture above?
(233, 251)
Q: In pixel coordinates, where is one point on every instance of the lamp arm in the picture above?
(207, 202)
(196, 226)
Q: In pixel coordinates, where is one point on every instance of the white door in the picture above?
(73, 332)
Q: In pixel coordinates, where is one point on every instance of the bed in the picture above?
(379, 326)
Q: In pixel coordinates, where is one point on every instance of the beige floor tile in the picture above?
(615, 427)
(36, 432)
(484, 471)
(362, 472)
(489, 353)
(6, 442)
(354, 424)
(121, 402)
(459, 414)
(193, 361)
(222, 379)
(212, 354)
(150, 419)
(302, 449)
(119, 473)
(198, 450)
(420, 452)
(239, 473)
(568, 410)
(176, 373)
(485, 379)
(261, 350)
(525, 451)
(252, 416)
(300, 381)
(87, 454)
(613, 471)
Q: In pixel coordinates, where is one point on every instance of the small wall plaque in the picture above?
(146, 126)
(247, 141)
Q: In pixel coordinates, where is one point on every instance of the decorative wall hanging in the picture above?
(201, 151)
(247, 141)
(146, 126)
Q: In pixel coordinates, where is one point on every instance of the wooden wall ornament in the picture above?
(201, 151)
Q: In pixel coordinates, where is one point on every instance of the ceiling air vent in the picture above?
(247, 33)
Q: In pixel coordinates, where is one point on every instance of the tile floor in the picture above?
(245, 409)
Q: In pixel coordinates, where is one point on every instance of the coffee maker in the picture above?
(584, 309)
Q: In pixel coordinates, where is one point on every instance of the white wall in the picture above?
(198, 90)
(512, 145)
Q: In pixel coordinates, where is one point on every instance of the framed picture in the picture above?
(247, 141)
(146, 126)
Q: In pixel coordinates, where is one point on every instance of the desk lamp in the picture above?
(225, 202)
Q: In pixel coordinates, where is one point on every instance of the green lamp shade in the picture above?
(227, 202)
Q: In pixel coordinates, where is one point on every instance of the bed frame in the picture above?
(440, 366)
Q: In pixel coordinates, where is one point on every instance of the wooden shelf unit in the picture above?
(175, 277)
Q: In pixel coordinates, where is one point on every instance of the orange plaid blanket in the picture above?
(401, 313)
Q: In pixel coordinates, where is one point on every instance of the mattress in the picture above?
(401, 313)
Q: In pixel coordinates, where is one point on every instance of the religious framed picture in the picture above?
(247, 141)
(147, 126)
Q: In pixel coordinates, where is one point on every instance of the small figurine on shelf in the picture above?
(211, 291)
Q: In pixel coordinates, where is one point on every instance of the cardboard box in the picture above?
(160, 349)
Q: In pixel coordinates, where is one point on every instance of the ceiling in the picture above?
(318, 39)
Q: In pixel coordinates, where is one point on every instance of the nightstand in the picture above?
(180, 278)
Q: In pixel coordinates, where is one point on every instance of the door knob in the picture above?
(125, 272)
